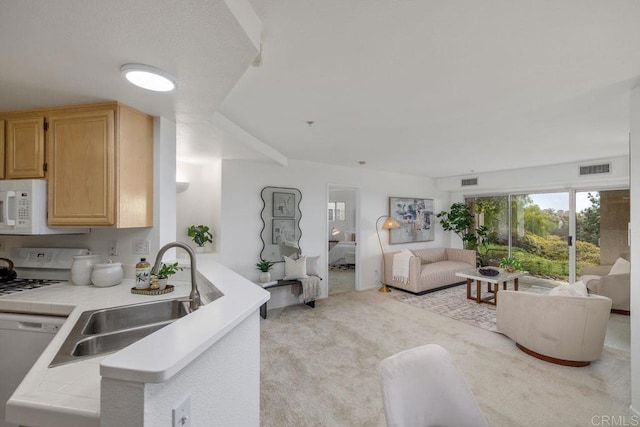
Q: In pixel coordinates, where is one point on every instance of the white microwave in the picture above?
(23, 208)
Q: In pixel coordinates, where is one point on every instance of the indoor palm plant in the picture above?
(264, 266)
(200, 235)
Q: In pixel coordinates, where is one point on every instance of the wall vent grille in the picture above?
(595, 169)
(465, 182)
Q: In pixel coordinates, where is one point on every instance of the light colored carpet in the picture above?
(341, 279)
(319, 367)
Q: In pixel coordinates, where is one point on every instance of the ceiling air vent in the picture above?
(595, 169)
(465, 182)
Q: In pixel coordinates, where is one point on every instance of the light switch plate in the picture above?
(182, 414)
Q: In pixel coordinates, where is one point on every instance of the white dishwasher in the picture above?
(23, 337)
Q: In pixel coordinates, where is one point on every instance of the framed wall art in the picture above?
(283, 231)
(284, 204)
(415, 217)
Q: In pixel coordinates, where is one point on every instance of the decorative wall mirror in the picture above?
(280, 215)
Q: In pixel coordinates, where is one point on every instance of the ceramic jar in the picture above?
(107, 274)
(82, 267)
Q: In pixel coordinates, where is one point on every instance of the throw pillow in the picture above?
(621, 266)
(295, 269)
(570, 290)
(580, 288)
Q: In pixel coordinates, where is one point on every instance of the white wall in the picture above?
(242, 182)
(552, 177)
(200, 204)
(635, 244)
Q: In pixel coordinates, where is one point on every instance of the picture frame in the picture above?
(283, 231)
(416, 218)
(284, 205)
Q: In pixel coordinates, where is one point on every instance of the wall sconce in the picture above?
(181, 186)
(335, 231)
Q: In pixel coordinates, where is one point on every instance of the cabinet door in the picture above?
(25, 148)
(2, 149)
(81, 172)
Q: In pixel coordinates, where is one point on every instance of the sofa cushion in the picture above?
(432, 254)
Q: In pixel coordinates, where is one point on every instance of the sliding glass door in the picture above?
(540, 234)
(553, 244)
(602, 227)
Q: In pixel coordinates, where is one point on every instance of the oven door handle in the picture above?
(10, 195)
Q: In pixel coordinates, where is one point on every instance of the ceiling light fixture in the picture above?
(148, 77)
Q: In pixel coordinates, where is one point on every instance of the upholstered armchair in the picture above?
(614, 286)
(566, 330)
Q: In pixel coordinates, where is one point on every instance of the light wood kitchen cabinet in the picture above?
(24, 146)
(1, 149)
(100, 167)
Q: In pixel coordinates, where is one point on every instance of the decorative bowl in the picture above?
(488, 271)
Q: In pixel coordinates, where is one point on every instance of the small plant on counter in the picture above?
(510, 264)
(168, 270)
(264, 265)
(200, 234)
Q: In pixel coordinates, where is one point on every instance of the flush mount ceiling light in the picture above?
(148, 77)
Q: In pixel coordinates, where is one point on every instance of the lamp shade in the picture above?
(389, 223)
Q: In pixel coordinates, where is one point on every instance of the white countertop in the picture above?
(69, 395)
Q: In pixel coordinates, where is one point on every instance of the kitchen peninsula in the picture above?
(209, 359)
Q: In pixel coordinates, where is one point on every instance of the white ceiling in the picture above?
(415, 86)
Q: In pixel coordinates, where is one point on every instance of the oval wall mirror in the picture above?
(280, 215)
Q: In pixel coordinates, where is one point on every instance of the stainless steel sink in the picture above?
(99, 332)
(131, 316)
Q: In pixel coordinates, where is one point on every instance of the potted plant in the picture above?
(510, 264)
(460, 220)
(162, 276)
(200, 235)
(264, 266)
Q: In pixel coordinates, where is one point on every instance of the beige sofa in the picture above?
(614, 286)
(567, 330)
(431, 269)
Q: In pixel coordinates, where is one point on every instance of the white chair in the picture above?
(422, 387)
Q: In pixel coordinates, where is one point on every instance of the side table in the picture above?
(277, 284)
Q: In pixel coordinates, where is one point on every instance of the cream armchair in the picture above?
(614, 286)
(567, 330)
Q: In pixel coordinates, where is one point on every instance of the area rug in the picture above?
(453, 303)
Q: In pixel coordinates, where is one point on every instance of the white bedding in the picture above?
(341, 252)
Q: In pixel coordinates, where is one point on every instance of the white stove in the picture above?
(38, 267)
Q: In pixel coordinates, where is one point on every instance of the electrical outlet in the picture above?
(113, 247)
(141, 247)
(182, 413)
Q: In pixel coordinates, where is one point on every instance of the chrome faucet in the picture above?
(194, 296)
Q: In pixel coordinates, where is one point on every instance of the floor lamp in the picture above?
(387, 224)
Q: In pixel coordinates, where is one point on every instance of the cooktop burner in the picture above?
(20, 285)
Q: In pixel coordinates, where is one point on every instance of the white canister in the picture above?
(107, 274)
(82, 267)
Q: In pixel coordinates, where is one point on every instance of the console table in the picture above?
(277, 284)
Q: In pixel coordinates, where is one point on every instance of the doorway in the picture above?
(342, 238)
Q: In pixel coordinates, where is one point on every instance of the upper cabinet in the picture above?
(24, 146)
(97, 159)
(100, 167)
